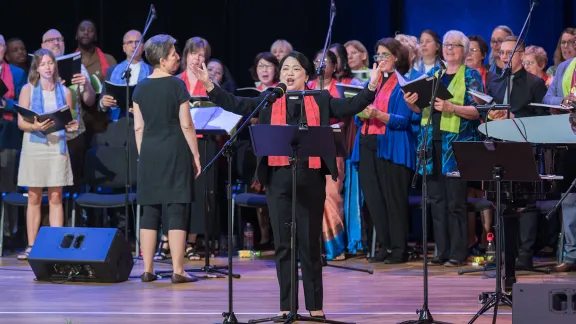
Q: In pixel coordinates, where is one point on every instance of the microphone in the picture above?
(153, 10)
(442, 65)
(333, 7)
(277, 93)
(303, 92)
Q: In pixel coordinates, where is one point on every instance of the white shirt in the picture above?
(134, 72)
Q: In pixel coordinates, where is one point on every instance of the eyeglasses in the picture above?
(381, 57)
(132, 42)
(528, 63)
(54, 40)
(568, 42)
(451, 46)
(264, 66)
(507, 53)
(496, 41)
(475, 50)
(316, 62)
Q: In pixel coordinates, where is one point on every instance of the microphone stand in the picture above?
(322, 66)
(425, 317)
(229, 316)
(126, 76)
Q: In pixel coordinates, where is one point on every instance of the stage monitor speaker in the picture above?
(544, 303)
(81, 254)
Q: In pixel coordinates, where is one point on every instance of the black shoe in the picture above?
(437, 261)
(176, 279)
(524, 261)
(380, 257)
(396, 258)
(455, 263)
(318, 316)
(147, 277)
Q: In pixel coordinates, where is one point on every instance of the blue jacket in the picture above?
(10, 134)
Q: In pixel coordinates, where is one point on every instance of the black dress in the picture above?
(165, 166)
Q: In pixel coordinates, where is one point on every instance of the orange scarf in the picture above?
(199, 89)
(346, 80)
(262, 87)
(279, 118)
(374, 125)
(483, 73)
(103, 63)
(333, 92)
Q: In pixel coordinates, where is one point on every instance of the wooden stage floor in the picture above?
(390, 295)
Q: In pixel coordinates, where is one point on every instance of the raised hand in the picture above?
(376, 73)
(201, 74)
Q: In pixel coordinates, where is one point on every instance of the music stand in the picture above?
(295, 143)
(496, 161)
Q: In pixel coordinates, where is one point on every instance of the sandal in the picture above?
(25, 254)
(162, 253)
(191, 252)
(341, 257)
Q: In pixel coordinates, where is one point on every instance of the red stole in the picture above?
(545, 77)
(483, 73)
(346, 80)
(8, 80)
(103, 62)
(262, 87)
(374, 125)
(198, 90)
(279, 118)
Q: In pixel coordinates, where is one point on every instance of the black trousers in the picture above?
(311, 194)
(448, 199)
(386, 189)
(174, 217)
(520, 233)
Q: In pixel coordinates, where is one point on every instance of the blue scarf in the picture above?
(37, 106)
(116, 77)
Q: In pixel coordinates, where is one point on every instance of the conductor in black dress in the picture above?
(275, 172)
(168, 155)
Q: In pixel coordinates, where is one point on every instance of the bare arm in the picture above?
(24, 102)
(138, 125)
(188, 128)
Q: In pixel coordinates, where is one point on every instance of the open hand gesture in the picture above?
(376, 73)
(201, 74)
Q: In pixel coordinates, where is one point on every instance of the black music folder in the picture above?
(424, 86)
(248, 92)
(61, 117)
(68, 65)
(118, 91)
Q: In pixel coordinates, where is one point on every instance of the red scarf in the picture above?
(483, 73)
(262, 87)
(346, 80)
(103, 62)
(374, 125)
(199, 89)
(279, 118)
(545, 77)
(8, 80)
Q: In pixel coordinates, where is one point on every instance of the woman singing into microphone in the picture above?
(275, 173)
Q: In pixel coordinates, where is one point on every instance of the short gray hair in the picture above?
(462, 39)
(158, 47)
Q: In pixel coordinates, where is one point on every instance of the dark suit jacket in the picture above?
(328, 106)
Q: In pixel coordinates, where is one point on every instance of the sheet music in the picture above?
(214, 119)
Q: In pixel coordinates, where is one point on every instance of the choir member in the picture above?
(414, 54)
(95, 61)
(343, 73)
(81, 88)
(562, 91)
(475, 59)
(165, 172)
(357, 55)
(281, 48)
(44, 160)
(265, 71)
(456, 119)
(275, 172)
(220, 73)
(525, 89)
(535, 61)
(431, 49)
(16, 53)
(138, 71)
(387, 155)
(565, 50)
(498, 35)
(333, 225)
(10, 136)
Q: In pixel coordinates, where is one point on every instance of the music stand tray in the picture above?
(496, 161)
(294, 142)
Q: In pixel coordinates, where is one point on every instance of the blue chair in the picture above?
(246, 200)
(105, 168)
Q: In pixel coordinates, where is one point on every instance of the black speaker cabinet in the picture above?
(81, 254)
(545, 303)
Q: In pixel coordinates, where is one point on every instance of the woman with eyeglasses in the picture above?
(498, 35)
(535, 61)
(431, 50)
(264, 71)
(386, 155)
(333, 225)
(456, 119)
(565, 50)
(475, 59)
